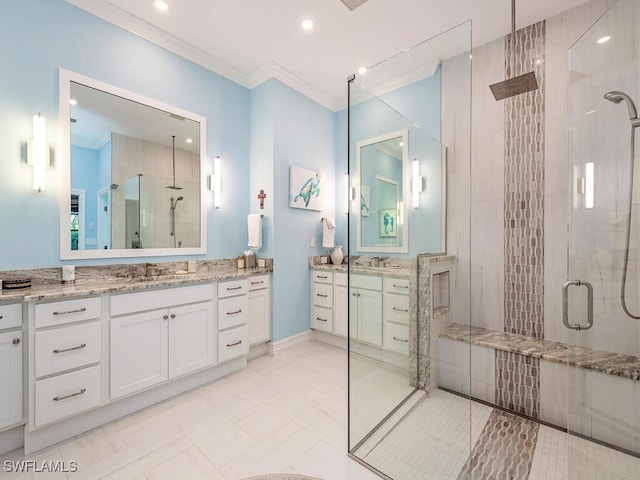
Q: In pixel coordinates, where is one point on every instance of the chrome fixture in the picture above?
(565, 305)
(617, 97)
(173, 155)
(172, 212)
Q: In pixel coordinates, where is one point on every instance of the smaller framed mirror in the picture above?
(382, 168)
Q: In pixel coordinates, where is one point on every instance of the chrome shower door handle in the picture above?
(565, 305)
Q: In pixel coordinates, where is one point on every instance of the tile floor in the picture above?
(288, 414)
(284, 414)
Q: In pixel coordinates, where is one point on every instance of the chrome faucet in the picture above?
(374, 262)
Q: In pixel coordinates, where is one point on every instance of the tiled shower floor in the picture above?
(432, 442)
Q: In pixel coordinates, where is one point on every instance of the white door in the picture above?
(192, 338)
(340, 310)
(10, 378)
(370, 317)
(259, 316)
(139, 345)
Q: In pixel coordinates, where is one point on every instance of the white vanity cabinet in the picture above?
(159, 335)
(259, 310)
(340, 304)
(11, 362)
(66, 356)
(322, 300)
(395, 300)
(365, 308)
(233, 318)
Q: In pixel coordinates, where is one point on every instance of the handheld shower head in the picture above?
(179, 198)
(174, 202)
(616, 96)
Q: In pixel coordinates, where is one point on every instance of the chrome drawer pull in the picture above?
(234, 344)
(323, 276)
(234, 288)
(173, 315)
(400, 286)
(323, 296)
(400, 309)
(234, 313)
(257, 283)
(16, 341)
(401, 340)
(62, 350)
(80, 310)
(75, 394)
(1, 317)
(321, 319)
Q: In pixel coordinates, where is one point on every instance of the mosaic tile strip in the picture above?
(518, 383)
(524, 188)
(504, 450)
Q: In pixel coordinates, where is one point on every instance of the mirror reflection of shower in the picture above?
(172, 213)
(618, 97)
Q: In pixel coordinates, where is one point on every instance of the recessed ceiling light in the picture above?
(604, 39)
(73, 101)
(189, 140)
(161, 5)
(362, 70)
(307, 24)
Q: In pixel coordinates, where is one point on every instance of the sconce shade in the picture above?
(38, 153)
(216, 182)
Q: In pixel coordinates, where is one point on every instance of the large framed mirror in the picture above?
(382, 167)
(132, 174)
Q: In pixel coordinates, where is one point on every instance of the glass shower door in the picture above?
(603, 395)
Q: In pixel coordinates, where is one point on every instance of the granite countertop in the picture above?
(113, 284)
(611, 363)
(363, 270)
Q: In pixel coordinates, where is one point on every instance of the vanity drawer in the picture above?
(10, 316)
(396, 338)
(233, 311)
(59, 313)
(64, 395)
(396, 308)
(396, 285)
(66, 348)
(258, 282)
(233, 343)
(323, 295)
(340, 279)
(235, 287)
(321, 276)
(322, 319)
(366, 281)
(161, 298)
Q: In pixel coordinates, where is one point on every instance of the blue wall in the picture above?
(85, 176)
(43, 35)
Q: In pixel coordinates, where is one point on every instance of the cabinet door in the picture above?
(10, 378)
(139, 346)
(370, 317)
(259, 316)
(191, 338)
(340, 310)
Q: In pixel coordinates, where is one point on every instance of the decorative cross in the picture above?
(261, 197)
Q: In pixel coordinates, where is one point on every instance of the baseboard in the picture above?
(11, 439)
(290, 342)
(328, 338)
(259, 350)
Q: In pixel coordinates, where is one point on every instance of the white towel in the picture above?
(328, 232)
(254, 224)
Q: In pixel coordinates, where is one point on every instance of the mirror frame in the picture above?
(65, 78)
(404, 195)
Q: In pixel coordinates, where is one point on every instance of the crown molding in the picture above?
(273, 70)
(142, 29)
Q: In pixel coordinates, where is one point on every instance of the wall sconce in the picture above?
(589, 176)
(38, 153)
(417, 183)
(215, 182)
(348, 193)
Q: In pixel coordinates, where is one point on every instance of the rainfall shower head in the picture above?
(616, 96)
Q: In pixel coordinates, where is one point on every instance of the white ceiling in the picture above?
(249, 41)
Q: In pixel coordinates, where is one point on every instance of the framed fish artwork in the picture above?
(305, 189)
